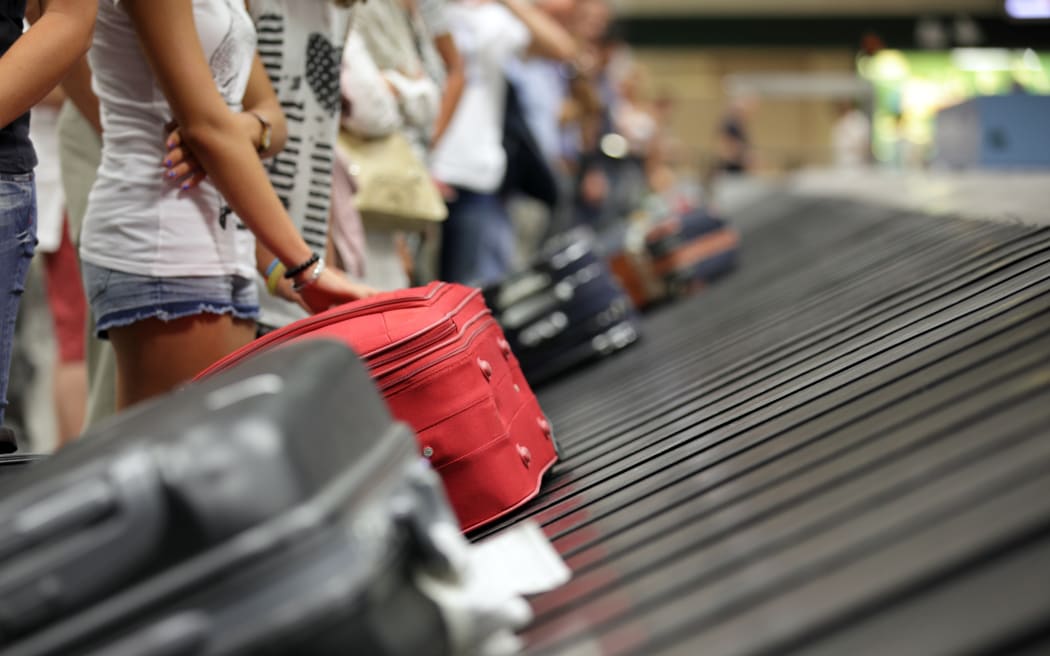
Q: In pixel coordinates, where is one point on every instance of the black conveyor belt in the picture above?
(842, 449)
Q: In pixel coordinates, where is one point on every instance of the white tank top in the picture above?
(137, 220)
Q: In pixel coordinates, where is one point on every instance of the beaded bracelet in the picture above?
(291, 273)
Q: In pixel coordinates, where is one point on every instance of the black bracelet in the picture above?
(291, 273)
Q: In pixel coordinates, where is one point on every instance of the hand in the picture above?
(448, 194)
(285, 291)
(180, 164)
(333, 288)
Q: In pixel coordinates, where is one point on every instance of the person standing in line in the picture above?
(80, 151)
(478, 239)
(301, 47)
(31, 65)
(65, 291)
(391, 83)
(168, 272)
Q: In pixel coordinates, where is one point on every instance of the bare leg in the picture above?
(70, 390)
(155, 357)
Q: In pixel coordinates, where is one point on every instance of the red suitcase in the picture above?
(443, 365)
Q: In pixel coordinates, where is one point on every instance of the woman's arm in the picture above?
(455, 82)
(260, 104)
(549, 39)
(374, 109)
(260, 99)
(212, 132)
(77, 86)
(38, 61)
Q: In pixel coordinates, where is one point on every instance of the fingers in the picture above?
(174, 139)
(182, 168)
(333, 288)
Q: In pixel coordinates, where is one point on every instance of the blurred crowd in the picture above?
(287, 156)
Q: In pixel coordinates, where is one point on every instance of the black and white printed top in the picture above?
(301, 45)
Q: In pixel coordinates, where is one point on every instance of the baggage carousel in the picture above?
(844, 448)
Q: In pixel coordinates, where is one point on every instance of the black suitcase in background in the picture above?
(274, 508)
(565, 309)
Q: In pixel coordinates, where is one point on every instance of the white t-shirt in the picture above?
(50, 201)
(471, 155)
(301, 46)
(137, 220)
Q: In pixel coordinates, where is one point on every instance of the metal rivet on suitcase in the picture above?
(526, 455)
(516, 388)
(504, 346)
(486, 368)
(545, 426)
(428, 452)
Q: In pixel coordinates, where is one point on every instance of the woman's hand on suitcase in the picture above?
(331, 289)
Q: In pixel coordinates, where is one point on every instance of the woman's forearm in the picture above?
(549, 39)
(77, 85)
(261, 102)
(237, 172)
(38, 61)
(455, 82)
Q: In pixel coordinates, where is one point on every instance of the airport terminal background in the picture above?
(829, 436)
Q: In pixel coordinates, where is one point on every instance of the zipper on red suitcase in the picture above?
(402, 363)
(466, 346)
(396, 348)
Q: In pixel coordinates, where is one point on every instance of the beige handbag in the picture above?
(394, 189)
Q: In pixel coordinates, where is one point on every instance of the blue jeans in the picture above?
(477, 240)
(17, 243)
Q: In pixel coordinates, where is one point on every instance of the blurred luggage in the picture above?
(565, 309)
(672, 258)
(16, 462)
(692, 250)
(528, 171)
(275, 508)
(445, 368)
(173, 478)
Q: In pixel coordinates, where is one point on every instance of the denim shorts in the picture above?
(120, 299)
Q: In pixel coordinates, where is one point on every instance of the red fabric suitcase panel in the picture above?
(493, 440)
(445, 369)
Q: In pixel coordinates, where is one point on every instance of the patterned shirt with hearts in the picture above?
(301, 46)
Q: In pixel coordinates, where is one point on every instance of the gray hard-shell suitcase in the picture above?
(248, 513)
(16, 462)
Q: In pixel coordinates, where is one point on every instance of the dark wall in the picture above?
(843, 31)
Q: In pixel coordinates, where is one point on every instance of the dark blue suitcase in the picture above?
(565, 309)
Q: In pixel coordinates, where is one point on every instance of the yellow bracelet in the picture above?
(275, 278)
